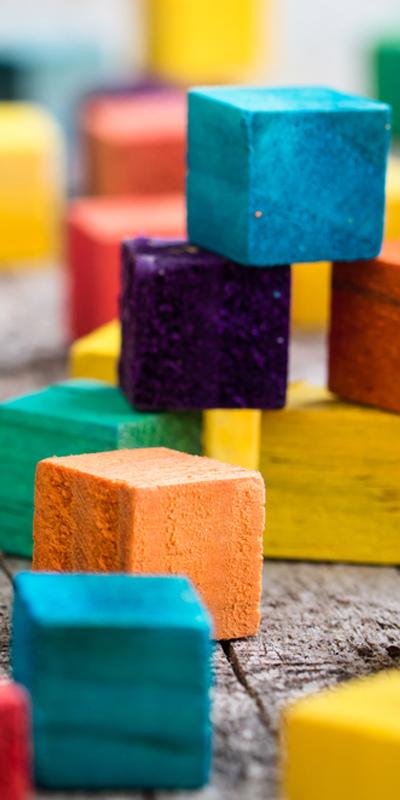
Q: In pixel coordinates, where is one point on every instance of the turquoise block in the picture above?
(278, 176)
(78, 416)
(119, 672)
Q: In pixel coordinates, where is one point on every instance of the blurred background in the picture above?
(107, 79)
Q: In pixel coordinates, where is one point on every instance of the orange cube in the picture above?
(95, 229)
(157, 511)
(135, 144)
(364, 346)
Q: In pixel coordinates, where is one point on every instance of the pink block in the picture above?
(15, 743)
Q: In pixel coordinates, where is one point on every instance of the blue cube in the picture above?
(284, 175)
(118, 668)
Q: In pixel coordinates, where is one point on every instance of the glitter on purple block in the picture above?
(199, 331)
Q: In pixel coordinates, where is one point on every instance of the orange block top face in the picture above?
(127, 119)
(157, 511)
(114, 218)
(364, 342)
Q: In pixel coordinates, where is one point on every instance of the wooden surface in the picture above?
(321, 623)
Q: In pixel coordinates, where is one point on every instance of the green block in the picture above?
(78, 416)
(386, 61)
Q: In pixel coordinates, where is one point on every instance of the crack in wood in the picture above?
(240, 674)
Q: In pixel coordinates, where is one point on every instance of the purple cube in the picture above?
(199, 331)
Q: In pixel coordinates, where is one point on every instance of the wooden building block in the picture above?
(333, 478)
(392, 229)
(15, 743)
(96, 355)
(203, 41)
(157, 511)
(364, 341)
(233, 436)
(135, 144)
(199, 331)
(344, 742)
(31, 186)
(119, 670)
(96, 228)
(286, 175)
(72, 417)
(386, 64)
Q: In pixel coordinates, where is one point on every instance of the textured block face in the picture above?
(333, 478)
(157, 511)
(203, 40)
(31, 166)
(386, 67)
(15, 747)
(96, 355)
(345, 742)
(119, 672)
(73, 417)
(136, 144)
(278, 176)
(364, 343)
(96, 228)
(199, 331)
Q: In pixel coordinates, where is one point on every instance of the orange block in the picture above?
(157, 511)
(364, 345)
(95, 230)
(135, 143)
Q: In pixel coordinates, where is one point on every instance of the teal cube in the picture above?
(78, 416)
(119, 672)
(287, 175)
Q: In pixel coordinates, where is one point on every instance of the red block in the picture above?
(15, 743)
(135, 144)
(96, 228)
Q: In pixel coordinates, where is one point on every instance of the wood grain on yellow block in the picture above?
(345, 742)
(332, 473)
(233, 436)
(205, 40)
(31, 185)
(96, 355)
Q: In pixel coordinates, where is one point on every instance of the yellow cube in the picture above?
(332, 473)
(311, 283)
(232, 436)
(31, 186)
(344, 744)
(196, 41)
(96, 355)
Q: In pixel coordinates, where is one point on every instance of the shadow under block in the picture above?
(157, 511)
(364, 341)
(135, 144)
(199, 331)
(386, 61)
(95, 230)
(344, 743)
(119, 670)
(72, 417)
(278, 176)
(31, 186)
(15, 743)
(202, 40)
(230, 435)
(333, 477)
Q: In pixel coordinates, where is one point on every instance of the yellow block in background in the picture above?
(344, 743)
(311, 283)
(232, 436)
(195, 41)
(31, 186)
(332, 472)
(96, 355)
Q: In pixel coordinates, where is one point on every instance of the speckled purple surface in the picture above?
(199, 331)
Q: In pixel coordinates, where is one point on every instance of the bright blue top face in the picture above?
(116, 601)
(255, 99)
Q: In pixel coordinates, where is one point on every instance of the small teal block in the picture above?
(287, 175)
(77, 416)
(119, 672)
